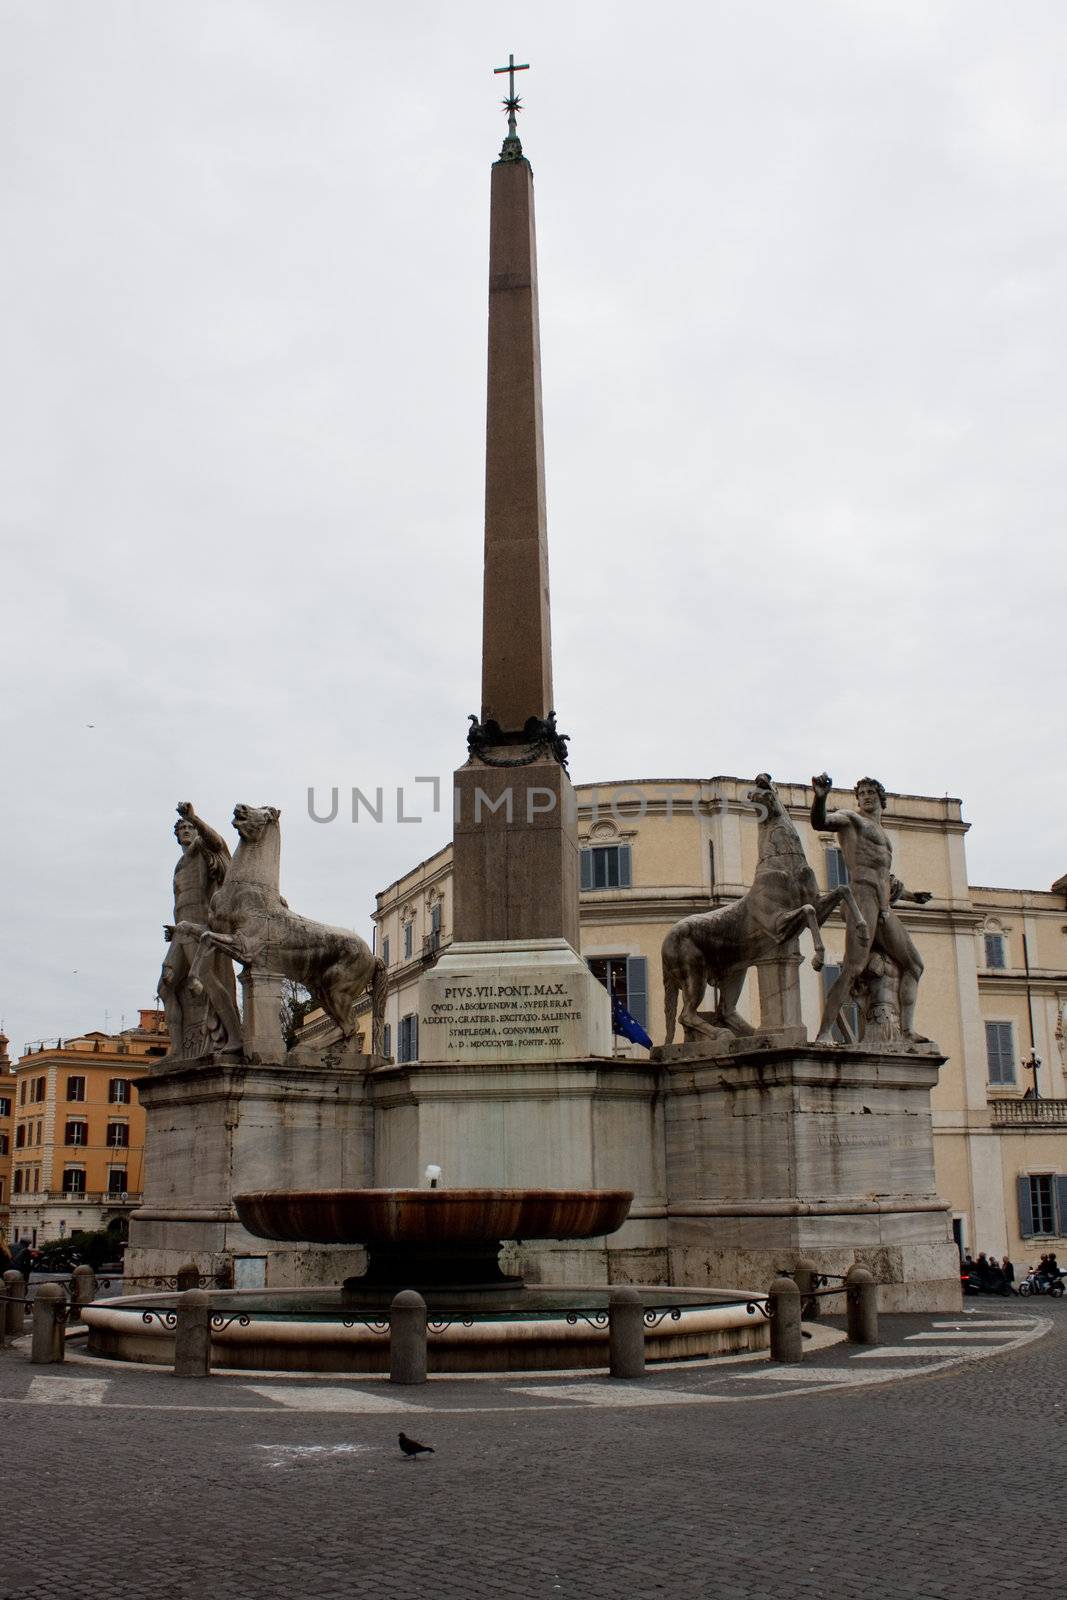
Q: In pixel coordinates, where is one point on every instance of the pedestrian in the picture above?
(1008, 1274)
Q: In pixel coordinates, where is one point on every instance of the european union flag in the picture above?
(627, 1027)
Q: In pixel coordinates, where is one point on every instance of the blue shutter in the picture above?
(637, 987)
(387, 1039)
(625, 881)
(1026, 1210)
(587, 869)
(414, 1036)
(1060, 1185)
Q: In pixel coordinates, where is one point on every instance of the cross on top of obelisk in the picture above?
(512, 149)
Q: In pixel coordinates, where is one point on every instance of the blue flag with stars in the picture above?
(627, 1027)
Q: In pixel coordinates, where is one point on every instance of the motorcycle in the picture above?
(1036, 1283)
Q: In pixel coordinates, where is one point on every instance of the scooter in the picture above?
(1037, 1283)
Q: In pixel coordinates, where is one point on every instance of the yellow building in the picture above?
(77, 1146)
(993, 994)
(7, 1133)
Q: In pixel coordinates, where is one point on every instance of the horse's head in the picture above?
(764, 796)
(252, 822)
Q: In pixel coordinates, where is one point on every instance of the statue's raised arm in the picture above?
(824, 821)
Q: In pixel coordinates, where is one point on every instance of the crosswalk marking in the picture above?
(68, 1391)
(802, 1373)
(968, 1334)
(611, 1394)
(1010, 1325)
(920, 1351)
(298, 1397)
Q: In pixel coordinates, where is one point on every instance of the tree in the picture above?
(296, 1003)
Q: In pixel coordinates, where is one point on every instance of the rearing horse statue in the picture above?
(718, 947)
(250, 922)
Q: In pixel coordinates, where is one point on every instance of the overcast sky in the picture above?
(802, 315)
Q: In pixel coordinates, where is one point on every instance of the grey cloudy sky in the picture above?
(802, 303)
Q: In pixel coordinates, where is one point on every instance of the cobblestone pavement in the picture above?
(918, 1470)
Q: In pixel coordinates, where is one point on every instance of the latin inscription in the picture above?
(501, 1016)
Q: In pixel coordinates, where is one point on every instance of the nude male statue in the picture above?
(191, 1006)
(868, 857)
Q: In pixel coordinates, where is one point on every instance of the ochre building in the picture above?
(77, 1140)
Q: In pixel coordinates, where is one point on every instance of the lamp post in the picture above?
(1033, 1064)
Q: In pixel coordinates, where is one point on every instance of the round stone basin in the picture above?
(432, 1217)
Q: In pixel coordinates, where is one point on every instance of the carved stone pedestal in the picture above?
(569, 1124)
(810, 1150)
(214, 1131)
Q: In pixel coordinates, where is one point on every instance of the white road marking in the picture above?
(1009, 1324)
(300, 1398)
(922, 1351)
(611, 1394)
(964, 1335)
(68, 1391)
(802, 1373)
(288, 1455)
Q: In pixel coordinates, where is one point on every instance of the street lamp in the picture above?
(1033, 1065)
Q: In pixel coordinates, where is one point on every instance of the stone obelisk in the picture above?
(512, 986)
(516, 844)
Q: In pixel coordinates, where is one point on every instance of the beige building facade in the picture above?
(993, 993)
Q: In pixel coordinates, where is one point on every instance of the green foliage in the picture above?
(93, 1248)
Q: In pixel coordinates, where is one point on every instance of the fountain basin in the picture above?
(419, 1238)
(431, 1216)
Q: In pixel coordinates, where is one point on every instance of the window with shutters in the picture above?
(16, 1181)
(20, 1136)
(1000, 1053)
(76, 1088)
(37, 1135)
(119, 1092)
(385, 955)
(711, 865)
(626, 980)
(73, 1180)
(409, 939)
(836, 870)
(1042, 1200)
(22, 1092)
(36, 1180)
(116, 1180)
(408, 1038)
(5, 1107)
(994, 952)
(76, 1133)
(607, 866)
(118, 1135)
(830, 975)
(4, 1144)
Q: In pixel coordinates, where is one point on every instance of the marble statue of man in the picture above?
(191, 1006)
(869, 857)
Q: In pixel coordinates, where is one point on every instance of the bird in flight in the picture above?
(413, 1449)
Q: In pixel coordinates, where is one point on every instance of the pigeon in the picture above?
(413, 1449)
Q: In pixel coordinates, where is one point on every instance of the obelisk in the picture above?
(512, 987)
(516, 845)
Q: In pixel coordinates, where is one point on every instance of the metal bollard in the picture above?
(49, 1320)
(784, 1305)
(861, 1305)
(84, 1291)
(188, 1277)
(626, 1333)
(13, 1320)
(192, 1336)
(805, 1273)
(407, 1338)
